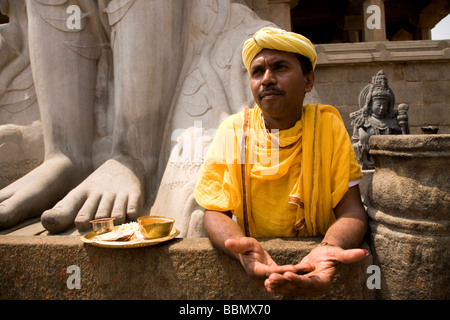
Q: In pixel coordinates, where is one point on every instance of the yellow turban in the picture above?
(277, 39)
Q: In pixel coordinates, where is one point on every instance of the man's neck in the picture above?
(280, 123)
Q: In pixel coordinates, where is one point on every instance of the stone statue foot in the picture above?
(115, 189)
(35, 192)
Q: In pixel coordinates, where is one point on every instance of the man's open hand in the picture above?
(314, 274)
(255, 260)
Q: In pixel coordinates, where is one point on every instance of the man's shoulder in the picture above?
(324, 110)
(235, 120)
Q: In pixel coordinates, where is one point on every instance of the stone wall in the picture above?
(418, 73)
(37, 267)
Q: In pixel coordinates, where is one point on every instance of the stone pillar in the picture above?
(261, 8)
(409, 206)
(276, 11)
(374, 28)
(280, 13)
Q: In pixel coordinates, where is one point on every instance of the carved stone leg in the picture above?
(147, 48)
(148, 56)
(65, 88)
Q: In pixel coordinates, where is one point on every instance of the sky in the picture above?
(441, 30)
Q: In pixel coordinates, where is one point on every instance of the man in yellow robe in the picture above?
(282, 169)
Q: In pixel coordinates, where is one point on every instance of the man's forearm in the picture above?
(347, 232)
(219, 227)
(351, 225)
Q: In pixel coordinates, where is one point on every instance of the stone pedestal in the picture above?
(409, 206)
(365, 185)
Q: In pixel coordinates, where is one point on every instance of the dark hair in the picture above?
(305, 63)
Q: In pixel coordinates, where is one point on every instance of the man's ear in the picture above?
(309, 79)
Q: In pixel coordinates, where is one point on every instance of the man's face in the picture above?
(278, 86)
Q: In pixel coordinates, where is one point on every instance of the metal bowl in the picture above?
(153, 227)
(102, 225)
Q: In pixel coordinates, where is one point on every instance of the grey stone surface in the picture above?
(35, 267)
(409, 215)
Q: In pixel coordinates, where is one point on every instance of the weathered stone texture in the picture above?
(35, 267)
(409, 203)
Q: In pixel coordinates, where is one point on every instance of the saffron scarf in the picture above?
(294, 178)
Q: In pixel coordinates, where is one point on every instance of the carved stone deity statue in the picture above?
(376, 116)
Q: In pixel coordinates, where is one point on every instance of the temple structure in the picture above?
(354, 39)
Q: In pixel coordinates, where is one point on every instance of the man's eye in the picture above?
(257, 72)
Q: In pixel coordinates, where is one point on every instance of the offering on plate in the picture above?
(115, 235)
(102, 225)
(124, 232)
(153, 227)
(130, 235)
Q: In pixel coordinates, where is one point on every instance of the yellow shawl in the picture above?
(294, 178)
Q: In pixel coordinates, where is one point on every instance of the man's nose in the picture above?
(269, 77)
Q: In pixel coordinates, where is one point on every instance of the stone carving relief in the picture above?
(121, 98)
(21, 142)
(376, 116)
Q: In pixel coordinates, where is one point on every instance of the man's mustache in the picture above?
(270, 90)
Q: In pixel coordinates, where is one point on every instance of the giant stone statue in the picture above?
(376, 116)
(124, 94)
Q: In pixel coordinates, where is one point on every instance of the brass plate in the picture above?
(88, 238)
